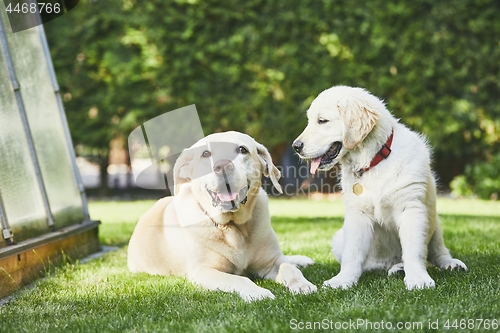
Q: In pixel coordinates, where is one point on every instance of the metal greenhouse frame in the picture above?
(43, 208)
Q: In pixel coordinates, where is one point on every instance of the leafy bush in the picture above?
(255, 66)
(481, 179)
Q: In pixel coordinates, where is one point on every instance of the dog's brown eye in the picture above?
(243, 150)
(206, 153)
(322, 121)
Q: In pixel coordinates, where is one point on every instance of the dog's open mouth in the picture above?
(326, 158)
(228, 200)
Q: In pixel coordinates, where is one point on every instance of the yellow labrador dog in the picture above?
(216, 230)
(389, 189)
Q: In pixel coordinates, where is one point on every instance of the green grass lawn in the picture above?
(102, 296)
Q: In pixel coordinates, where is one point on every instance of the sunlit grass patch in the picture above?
(102, 296)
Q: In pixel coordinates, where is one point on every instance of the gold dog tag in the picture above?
(357, 189)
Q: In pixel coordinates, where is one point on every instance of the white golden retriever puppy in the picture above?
(216, 230)
(389, 189)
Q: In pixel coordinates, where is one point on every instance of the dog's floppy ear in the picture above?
(183, 169)
(269, 169)
(358, 121)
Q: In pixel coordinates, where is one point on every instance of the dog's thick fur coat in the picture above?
(393, 223)
(216, 230)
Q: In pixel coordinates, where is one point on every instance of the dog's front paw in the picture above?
(396, 269)
(339, 282)
(454, 264)
(419, 281)
(300, 261)
(302, 287)
(255, 293)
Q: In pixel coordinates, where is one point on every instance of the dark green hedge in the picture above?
(255, 66)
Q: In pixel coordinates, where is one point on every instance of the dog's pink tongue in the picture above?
(315, 165)
(224, 196)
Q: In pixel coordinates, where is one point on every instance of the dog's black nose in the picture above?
(225, 166)
(298, 145)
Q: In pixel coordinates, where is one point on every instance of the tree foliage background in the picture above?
(255, 66)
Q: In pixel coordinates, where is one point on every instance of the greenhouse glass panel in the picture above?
(18, 184)
(46, 126)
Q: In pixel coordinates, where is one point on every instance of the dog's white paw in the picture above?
(419, 281)
(300, 261)
(339, 282)
(398, 268)
(454, 264)
(255, 293)
(302, 287)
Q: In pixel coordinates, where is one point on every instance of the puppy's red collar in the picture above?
(382, 154)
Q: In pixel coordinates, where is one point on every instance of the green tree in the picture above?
(255, 66)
